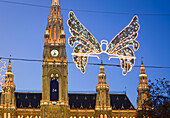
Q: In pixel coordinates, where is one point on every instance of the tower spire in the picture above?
(101, 67)
(142, 69)
(143, 88)
(9, 67)
(141, 60)
(55, 2)
(8, 97)
(103, 97)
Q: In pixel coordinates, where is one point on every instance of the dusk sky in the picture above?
(22, 30)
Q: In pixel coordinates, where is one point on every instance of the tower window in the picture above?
(54, 89)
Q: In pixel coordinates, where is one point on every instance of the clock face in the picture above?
(54, 53)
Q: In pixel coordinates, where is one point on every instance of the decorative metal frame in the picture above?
(89, 47)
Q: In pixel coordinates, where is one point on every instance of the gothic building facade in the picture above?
(55, 101)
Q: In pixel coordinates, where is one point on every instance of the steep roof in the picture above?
(28, 100)
(76, 100)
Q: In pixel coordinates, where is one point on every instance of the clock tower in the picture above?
(54, 103)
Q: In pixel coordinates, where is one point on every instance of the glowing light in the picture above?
(56, 2)
(89, 47)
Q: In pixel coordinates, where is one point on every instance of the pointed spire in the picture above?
(101, 67)
(9, 68)
(141, 60)
(142, 69)
(55, 2)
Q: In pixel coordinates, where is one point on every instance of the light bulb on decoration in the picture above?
(88, 46)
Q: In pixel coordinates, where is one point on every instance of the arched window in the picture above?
(54, 88)
(101, 115)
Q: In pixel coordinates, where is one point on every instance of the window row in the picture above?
(22, 116)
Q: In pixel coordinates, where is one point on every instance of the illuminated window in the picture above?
(9, 115)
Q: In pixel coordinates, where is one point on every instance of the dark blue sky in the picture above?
(22, 30)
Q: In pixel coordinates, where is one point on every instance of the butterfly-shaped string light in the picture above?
(88, 46)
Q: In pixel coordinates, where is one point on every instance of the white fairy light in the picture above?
(89, 47)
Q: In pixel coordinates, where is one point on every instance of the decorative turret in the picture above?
(9, 78)
(143, 88)
(102, 75)
(102, 107)
(9, 68)
(8, 101)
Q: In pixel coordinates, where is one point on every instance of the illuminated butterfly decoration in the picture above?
(89, 46)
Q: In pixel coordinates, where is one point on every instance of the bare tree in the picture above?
(157, 105)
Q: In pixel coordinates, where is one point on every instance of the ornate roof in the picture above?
(76, 100)
(28, 100)
(120, 101)
(82, 100)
